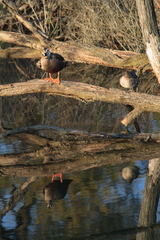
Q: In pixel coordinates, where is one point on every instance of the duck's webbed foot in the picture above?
(56, 80)
(60, 175)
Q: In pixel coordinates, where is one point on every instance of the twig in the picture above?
(13, 8)
(21, 69)
(131, 116)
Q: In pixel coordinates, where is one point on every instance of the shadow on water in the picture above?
(98, 203)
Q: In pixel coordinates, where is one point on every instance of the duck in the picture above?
(51, 63)
(129, 80)
(56, 189)
(130, 173)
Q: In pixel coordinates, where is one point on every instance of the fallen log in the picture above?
(73, 52)
(85, 92)
(73, 134)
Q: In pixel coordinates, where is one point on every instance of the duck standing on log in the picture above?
(51, 63)
(129, 80)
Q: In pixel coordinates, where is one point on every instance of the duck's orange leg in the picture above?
(60, 175)
(57, 80)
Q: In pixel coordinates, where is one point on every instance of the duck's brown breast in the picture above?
(52, 65)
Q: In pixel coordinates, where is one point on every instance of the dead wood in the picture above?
(72, 150)
(85, 92)
(73, 155)
(76, 52)
(11, 6)
(19, 52)
(72, 134)
(73, 52)
(150, 33)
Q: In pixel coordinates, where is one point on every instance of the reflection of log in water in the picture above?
(19, 194)
(77, 151)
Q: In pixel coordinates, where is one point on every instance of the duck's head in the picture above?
(49, 204)
(46, 53)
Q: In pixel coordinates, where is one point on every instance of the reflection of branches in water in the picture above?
(19, 194)
(19, 67)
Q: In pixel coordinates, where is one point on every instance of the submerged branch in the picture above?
(77, 134)
(77, 154)
(71, 150)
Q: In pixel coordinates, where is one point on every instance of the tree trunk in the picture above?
(150, 33)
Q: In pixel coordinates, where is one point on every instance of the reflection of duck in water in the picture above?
(51, 63)
(129, 80)
(56, 189)
(129, 173)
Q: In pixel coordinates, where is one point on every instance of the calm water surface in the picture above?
(98, 202)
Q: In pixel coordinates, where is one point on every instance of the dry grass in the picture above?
(112, 24)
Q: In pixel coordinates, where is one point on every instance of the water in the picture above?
(98, 202)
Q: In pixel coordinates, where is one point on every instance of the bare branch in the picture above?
(74, 52)
(141, 102)
(14, 10)
(131, 116)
